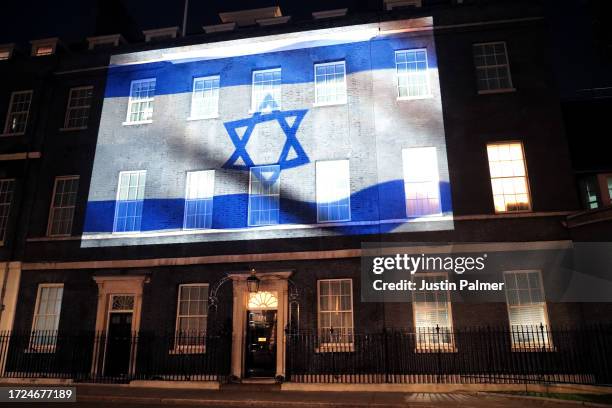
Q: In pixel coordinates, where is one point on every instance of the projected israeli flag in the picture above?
(325, 132)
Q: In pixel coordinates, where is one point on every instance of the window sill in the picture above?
(193, 118)
(54, 238)
(12, 134)
(414, 98)
(127, 233)
(253, 111)
(72, 129)
(335, 348)
(186, 350)
(513, 212)
(57, 236)
(332, 222)
(259, 225)
(497, 91)
(319, 105)
(431, 350)
(41, 350)
(533, 349)
(142, 122)
(415, 216)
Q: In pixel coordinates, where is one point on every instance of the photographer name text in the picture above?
(445, 285)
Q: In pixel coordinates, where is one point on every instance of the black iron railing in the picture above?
(96, 357)
(439, 355)
(436, 355)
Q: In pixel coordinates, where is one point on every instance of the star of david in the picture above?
(291, 142)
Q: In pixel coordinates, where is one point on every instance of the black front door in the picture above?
(261, 343)
(118, 344)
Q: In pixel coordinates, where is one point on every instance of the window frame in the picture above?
(186, 348)
(117, 200)
(590, 196)
(254, 108)
(104, 40)
(10, 112)
(404, 153)
(429, 93)
(526, 176)
(434, 348)
(348, 162)
(531, 346)
(326, 64)
(512, 88)
(36, 45)
(278, 180)
(33, 348)
(131, 101)
(8, 204)
(6, 51)
(70, 108)
(212, 198)
(335, 346)
(214, 115)
(52, 207)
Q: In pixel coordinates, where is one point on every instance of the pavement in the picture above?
(102, 396)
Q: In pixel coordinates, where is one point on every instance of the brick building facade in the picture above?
(152, 184)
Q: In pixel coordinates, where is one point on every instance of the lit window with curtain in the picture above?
(130, 199)
(45, 322)
(333, 191)
(421, 181)
(432, 315)
(527, 309)
(191, 318)
(335, 305)
(508, 177)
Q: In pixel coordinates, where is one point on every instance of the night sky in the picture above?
(23, 20)
(574, 51)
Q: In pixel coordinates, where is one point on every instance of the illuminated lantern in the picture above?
(253, 282)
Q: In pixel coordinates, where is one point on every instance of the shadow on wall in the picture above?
(384, 201)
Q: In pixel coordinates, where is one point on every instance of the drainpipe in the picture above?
(4, 282)
(184, 31)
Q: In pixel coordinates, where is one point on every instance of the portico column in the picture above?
(238, 326)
